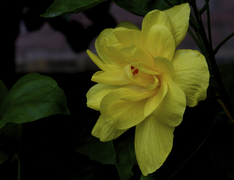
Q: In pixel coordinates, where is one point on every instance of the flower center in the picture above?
(134, 70)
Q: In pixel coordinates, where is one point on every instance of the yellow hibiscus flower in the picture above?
(145, 82)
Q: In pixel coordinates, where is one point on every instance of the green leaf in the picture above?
(60, 7)
(141, 8)
(98, 151)
(31, 98)
(125, 154)
(3, 92)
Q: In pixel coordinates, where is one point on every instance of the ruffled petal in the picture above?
(105, 37)
(133, 53)
(164, 66)
(141, 78)
(135, 93)
(170, 111)
(128, 25)
(106, 132)
(117, 77)
(191, 75)
(127, 37)
(146, 68)
(161, 42)
(96, 94)
(152, 18)
(154, 101)
(153, 143)
(97, 61)
(179, 16)
(119, 113)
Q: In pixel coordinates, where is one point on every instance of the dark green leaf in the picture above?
(98, 151)
(60, 7)
(141, 8)
(125, 154)
(187, 140)
(3, 92)
(33, 97)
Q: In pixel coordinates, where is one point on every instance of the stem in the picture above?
(211, 58)
(202, 10)
(225, 109)
(225, 40)
(208, 22)
(19, 167)
(196, 41)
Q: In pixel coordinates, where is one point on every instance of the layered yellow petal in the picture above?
(154, 101)
(98, 61)
(161, 42)
(151, 19)
(179, 16)
(127, 25)
(119, 113)
(117, 77)
(170, 111)
(141, 78)
(96, 94)
(106, 33)
(106, 132)
(135, 93)
(191, 75)
(164, 66)
(127, 36)
(133, 53)
(153, 143)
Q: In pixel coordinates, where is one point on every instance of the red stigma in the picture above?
(135, 71)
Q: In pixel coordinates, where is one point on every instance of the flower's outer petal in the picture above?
(106, 34)
(96, 93)
(127, 36)
(97, 61)
(164, 66)
(161, 42)
(119, 113)
(106, 132)
(153, 143)
(170, 111)
(117, 77)
(191, 75)
(154, 101)
(127, 25)
(179, 16)
(152, 18)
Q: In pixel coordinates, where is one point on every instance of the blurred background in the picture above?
(42, 46)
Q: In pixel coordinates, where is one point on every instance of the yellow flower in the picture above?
(145, 82)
